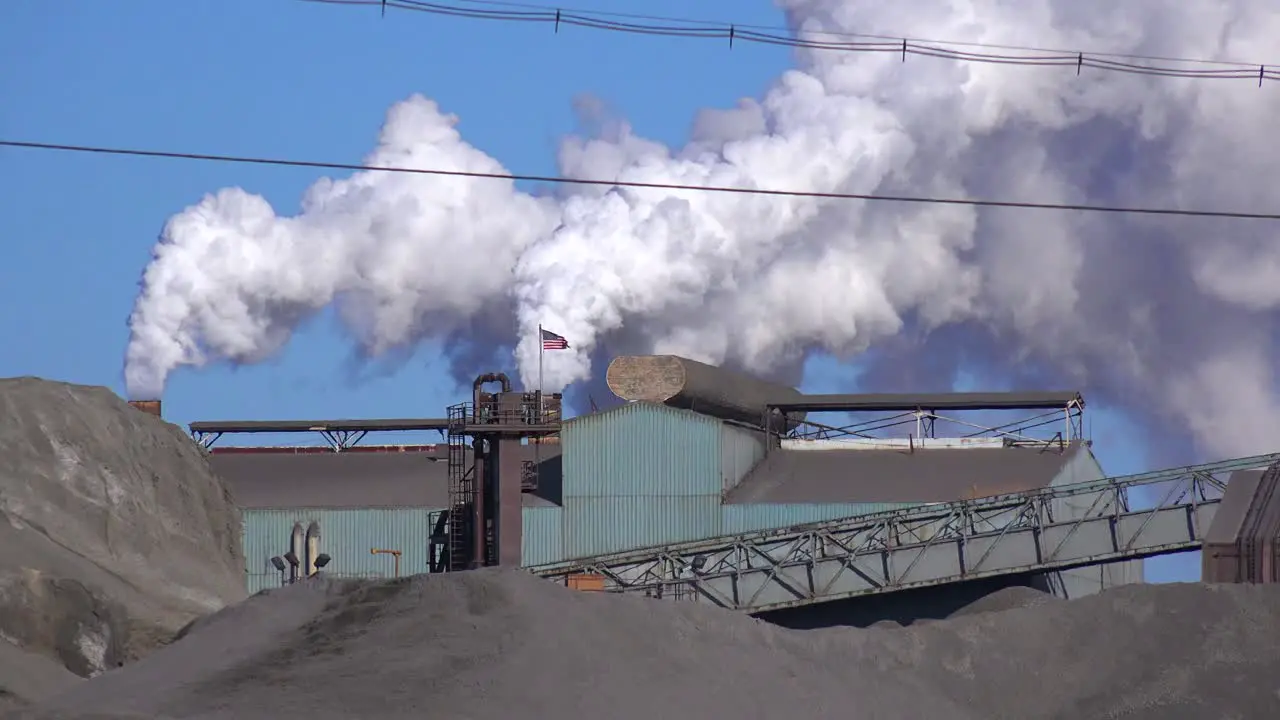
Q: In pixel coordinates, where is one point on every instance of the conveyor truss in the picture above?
(1052, 529)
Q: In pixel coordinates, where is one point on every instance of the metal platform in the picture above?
(1051, 529)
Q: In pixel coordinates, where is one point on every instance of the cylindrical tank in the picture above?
(707, 389)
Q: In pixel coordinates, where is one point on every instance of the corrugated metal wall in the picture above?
(748, 518)
(346, 535)
(543, 539)
(602, 525)
(1084, 467)
(640, 475)
(642, 449)
(740, 451)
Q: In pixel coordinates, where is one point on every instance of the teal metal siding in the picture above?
(345, 535)
(543, 539)
(739, 519)
(740, 451)
(642, 449)
(603, 525)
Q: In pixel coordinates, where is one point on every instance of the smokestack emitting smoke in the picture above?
(1172, 318)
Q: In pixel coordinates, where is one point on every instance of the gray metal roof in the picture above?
(934, 475)
(893, 402)
(289, 426)
(356, 479)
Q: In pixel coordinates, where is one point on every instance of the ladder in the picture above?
(462, 489)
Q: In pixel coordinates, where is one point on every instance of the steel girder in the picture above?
(1051, 529)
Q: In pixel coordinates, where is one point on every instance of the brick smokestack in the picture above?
(150, 407)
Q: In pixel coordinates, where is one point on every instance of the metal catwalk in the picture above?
(1051, 529)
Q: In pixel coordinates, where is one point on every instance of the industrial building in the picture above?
(696, 453)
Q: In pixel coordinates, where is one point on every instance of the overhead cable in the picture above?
(282, 162)
(860, 43)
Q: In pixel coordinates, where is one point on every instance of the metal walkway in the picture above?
(1044, 530)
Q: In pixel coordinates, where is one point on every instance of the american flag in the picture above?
(552, 341)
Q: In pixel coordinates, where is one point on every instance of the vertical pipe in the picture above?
(479, 472)
(313, 549)
(296, 546)
(510, 496)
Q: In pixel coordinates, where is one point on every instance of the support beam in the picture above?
(930, 545)
(930, 402)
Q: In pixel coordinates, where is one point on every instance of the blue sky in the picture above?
(292, 79)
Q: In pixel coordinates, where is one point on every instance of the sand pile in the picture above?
(501, 644)
(114, 533)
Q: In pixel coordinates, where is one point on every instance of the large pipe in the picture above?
(509, 495)
(313, 548)
(479, 473)
(297, 541)
(492, 377)
(707, 389)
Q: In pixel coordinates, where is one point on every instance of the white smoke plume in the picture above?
(1172, 318)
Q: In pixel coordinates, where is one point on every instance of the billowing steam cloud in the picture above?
(1172, 318)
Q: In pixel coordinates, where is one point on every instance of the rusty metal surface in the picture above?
(509, 496)
(892, 476)
(150, 407)
(683, 383)
(438, 450)
(347, 479)
(289, 426)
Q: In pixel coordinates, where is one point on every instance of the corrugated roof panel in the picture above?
(603, 525)
(543, 538)
(750, 518)
(354, 480)
(871, 476)
(346, 535)
(641, 449)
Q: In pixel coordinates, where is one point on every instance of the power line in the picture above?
(865, 43)
(281, 162)
(896, 37)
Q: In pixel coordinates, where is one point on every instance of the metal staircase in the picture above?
(462, 487)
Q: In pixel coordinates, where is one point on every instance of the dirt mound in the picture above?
(114, 533)
(1010, 598)
(502, 644)
(487, 644)
(25, 676)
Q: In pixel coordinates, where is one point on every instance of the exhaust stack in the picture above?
(150, 407)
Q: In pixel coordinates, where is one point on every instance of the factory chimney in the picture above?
(150, 407)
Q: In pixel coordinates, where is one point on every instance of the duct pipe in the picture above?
(393, 553)
(313, 549)
(297, 543)
(492, 377)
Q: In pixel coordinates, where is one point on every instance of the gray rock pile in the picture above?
(496, 645)
(114, 534)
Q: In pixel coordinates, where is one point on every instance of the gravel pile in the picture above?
(500, 644)
(114, 534)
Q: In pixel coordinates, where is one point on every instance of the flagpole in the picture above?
(542, 348)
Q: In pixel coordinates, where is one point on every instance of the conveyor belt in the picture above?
(942, 543)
